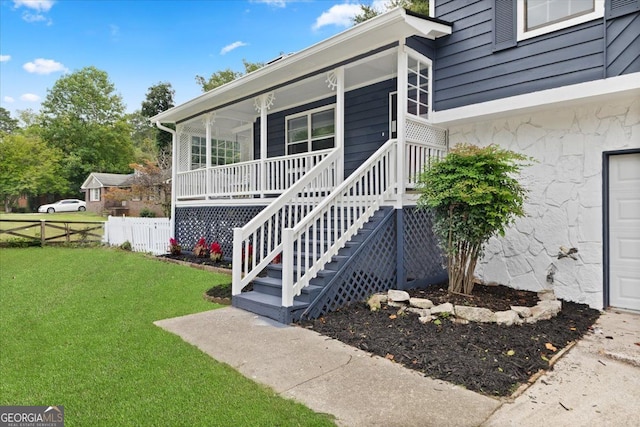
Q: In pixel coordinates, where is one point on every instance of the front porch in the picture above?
(308, 159)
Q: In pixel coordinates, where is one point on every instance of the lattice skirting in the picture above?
(423, 258)
(374, 267)
(214, 223)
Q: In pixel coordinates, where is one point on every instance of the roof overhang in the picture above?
(383, 30)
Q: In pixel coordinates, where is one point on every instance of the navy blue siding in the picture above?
(467, 70)
(366, 123)
(623, 45)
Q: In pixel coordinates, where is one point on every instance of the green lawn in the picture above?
(76, 330)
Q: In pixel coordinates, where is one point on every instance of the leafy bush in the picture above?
(174, 247)
(200, 249)
(215, 252)
(126, 246)
(147, 213)
(473, 195)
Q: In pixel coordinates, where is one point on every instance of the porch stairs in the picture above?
(266, 297)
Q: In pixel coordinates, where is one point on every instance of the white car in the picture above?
(67, 205)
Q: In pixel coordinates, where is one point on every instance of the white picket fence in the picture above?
(145, 234)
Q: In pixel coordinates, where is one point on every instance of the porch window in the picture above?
(223, 152)
(94, 195)
(311, 131)
(198, 152)
(418, 87)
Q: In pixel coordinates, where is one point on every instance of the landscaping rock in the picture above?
(523, 312)
(422, 312)
(420, 302)
(447, 307)
(545, 310)
(395, 304)
(547, 295)
(461, 321)
(425, 319)
(398, 296)
(475, 314)
(507, 318)
(375, 301)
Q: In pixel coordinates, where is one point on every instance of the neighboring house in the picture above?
(97, 187)
(311, 160)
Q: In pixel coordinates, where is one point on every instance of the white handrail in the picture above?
(257, 243)
(340, 216)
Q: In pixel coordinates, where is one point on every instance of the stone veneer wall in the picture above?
(564, 205)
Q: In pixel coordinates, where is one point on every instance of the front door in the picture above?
(624, 230)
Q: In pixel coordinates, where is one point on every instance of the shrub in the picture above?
(147, 213)
(215, 252)
(126, 246)
(473, 196)
(200, 249)
(174, 247)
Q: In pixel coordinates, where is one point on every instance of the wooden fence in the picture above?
(51, 231)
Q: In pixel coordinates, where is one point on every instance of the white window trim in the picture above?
(429, 63)
(92, 195)
(523, 35)
(308, 113)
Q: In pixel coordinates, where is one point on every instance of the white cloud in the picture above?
(44, 66)
(228, 48)
(37, 5)
(5, 58)
(276, 3)
(30, 97)
(8, 99)
(340, 15)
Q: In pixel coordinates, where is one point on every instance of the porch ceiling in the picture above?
(384, 30)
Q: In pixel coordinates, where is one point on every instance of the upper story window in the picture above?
(537, 17)
(311, 131)
(418, 87)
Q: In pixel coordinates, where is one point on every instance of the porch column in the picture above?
(209, 118)
(262, 104)
(339, 130)
(400, 164)
(401, 126)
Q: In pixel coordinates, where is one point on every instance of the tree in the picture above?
(159, 98)
(28, 167)
(142, 136)
(474, 195)
(83, 116)
(7, 123)
(369, 11)
(150, 183)
(227, 75)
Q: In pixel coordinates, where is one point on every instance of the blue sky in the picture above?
(142, 42)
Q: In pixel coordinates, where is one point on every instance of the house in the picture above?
(305, 170)
(98, 186)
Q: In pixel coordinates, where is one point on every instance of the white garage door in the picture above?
(624, 230)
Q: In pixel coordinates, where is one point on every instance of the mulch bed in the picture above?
(487, 358)
(190, 258)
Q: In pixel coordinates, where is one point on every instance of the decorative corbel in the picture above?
(332, 80)
(266, 100)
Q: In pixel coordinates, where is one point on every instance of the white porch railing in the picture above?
(257, 243)
(243, 179)
(331, 224)
(423, 143)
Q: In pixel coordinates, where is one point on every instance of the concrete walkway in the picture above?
(586, 388)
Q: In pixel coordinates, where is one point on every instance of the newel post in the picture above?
(287, 267)
(236, 262)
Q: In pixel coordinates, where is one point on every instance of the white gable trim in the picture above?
(628, 84)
